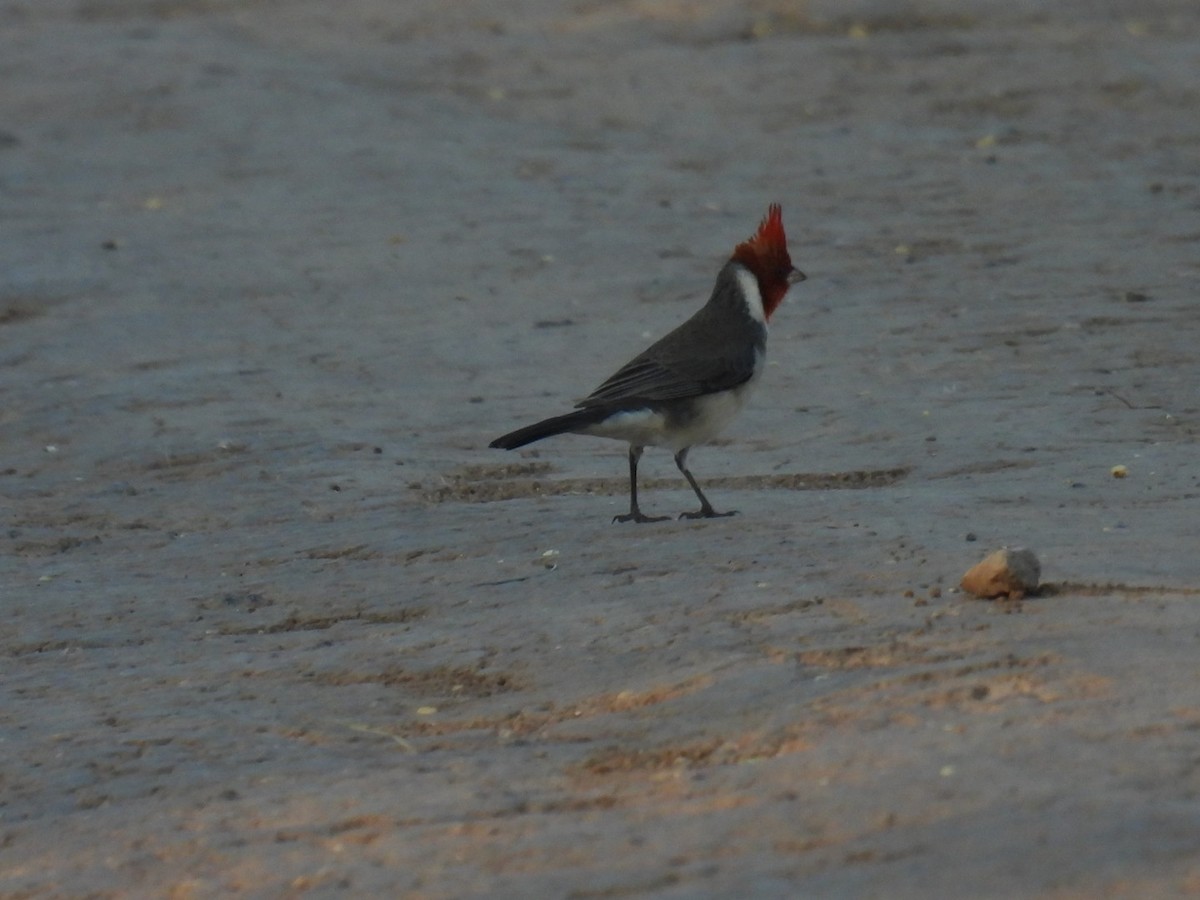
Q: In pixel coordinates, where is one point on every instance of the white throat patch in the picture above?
(749, 285)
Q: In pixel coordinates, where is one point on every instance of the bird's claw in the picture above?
(639, 517)
(708, 513)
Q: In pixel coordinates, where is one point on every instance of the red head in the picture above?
(766, 255)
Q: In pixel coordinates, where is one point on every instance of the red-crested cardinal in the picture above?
(683, 389)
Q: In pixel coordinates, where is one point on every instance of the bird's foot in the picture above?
(707, 512)
(638, 516)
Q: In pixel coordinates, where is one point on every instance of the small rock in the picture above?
(1119, 472)
(1006, 573)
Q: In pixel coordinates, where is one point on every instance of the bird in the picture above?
(685, 388)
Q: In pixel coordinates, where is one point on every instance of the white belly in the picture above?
(707, 417)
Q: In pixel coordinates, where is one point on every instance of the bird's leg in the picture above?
(705, 511)
(635, 514)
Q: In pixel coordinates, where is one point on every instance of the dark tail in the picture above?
(572, 421)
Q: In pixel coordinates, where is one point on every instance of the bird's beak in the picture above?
(795, 276)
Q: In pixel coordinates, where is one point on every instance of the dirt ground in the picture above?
(277, 623)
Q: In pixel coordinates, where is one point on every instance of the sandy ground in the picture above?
(277, 623)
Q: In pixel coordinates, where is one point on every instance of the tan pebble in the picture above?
(1005, 573)
(1119, 471)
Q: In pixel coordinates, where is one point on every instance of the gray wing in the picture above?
(670, 370)
(714, 350)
